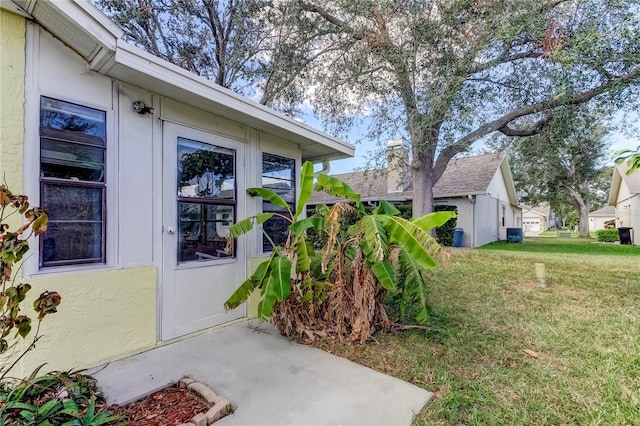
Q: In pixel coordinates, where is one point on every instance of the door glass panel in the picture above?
(205, 171)
(204, 229)
(206, 200)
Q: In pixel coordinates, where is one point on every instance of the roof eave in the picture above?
(91, 34)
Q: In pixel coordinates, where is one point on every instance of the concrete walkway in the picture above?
(269, 380)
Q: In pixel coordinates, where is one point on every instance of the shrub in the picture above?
(55, 398)
(607, 235)
(14, 323)
(338, 293)
(445, 232)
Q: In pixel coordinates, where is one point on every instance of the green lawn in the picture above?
(565, 245)
(487, 310)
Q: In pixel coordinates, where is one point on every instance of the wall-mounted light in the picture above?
(142, 108)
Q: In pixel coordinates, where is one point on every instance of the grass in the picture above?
(487, 310)
(565, 246)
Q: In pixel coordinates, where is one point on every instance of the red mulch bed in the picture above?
(168, 406)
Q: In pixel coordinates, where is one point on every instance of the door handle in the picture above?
(170, 230)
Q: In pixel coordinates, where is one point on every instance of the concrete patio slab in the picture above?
(269, 380)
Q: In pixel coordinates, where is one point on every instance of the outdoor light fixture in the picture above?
(142, 108)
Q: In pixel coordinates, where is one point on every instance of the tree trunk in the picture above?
(422, 190)
(582, 208)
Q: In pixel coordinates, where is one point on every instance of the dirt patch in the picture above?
(168, 407)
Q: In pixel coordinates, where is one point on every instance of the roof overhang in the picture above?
(505, 167)
(87, 31)
(144, 70)
(616, 180)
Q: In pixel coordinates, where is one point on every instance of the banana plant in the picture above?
(274, 275)
(289, 267)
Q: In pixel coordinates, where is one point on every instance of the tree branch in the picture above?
(545, 106)
(529, 131)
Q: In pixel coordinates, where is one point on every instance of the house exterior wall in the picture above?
(107, 311)
(486, 220)
(495, 213)
(628, 210)
(597, 222)
(12, 67)
(465, 219)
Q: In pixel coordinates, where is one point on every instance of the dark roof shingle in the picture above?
(463, 176)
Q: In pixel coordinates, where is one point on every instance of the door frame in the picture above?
(171, 130)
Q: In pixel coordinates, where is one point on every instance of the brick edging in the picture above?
(219, 406)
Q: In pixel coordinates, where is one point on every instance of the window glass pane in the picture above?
(64, 160)
(72, 203)
(203, 231)
(70, 119)
(278, 175)
(274, 167)
(205, 171)
(276, 228)
(72, 242)
(283, 188)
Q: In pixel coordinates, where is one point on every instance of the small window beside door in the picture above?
(278, 175)
(72, 183)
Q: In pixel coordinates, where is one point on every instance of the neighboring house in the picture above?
(597, 218)
(535, 219)
(480, 187)
(143, 167)
(625, 197)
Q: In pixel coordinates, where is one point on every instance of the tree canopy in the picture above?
(564, 163)
(444, 74)
(441, 74)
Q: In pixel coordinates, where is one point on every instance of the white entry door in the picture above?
(203, 195)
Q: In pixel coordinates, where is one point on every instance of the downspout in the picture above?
(326, 167)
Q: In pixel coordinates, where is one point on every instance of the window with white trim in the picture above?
(72, 183)
(278, 175)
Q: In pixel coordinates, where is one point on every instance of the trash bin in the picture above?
(625, 235)
(514, 235)
(457, 237)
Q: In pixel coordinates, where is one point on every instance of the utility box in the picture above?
(457, 237)
(514, 235)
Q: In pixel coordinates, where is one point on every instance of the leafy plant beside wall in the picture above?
(338, 292)
(607, 235)
(13, 246)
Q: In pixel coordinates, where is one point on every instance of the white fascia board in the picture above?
(12, 7)
(144, 70)
(616, 180)
(459, 195)
(92, 20)
(508, 180)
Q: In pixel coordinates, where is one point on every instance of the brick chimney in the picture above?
(398, 172)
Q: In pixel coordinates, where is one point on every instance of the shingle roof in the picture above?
(463, 176)
(606, 211)
(470, 175)
(632, 180)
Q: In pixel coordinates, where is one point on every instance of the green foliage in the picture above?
(630, 156)
(444, 233)
(562, 164)
(56, 398)
(362, 255)
(607, 235)
(13, 246)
